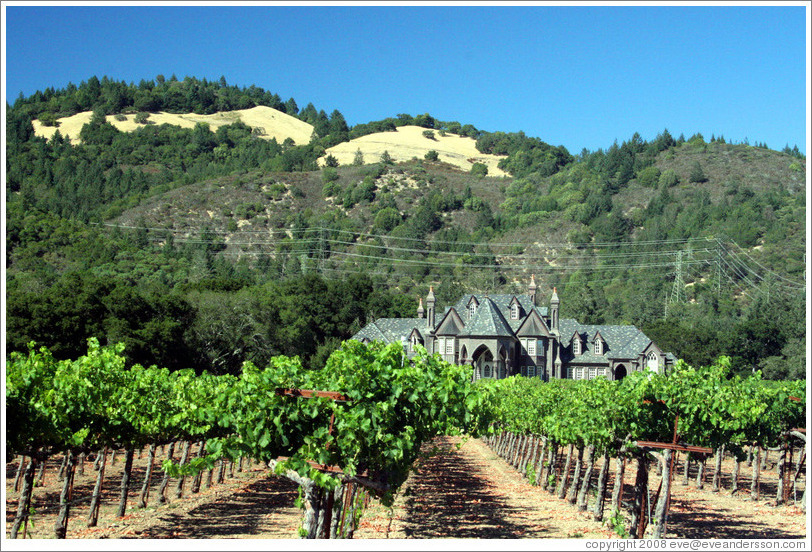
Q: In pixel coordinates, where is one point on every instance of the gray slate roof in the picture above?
(494, 320)
(488, 321)
(622, 342)
(502, 302)
(390, 330)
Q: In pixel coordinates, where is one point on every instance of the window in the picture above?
(487, 371)
(598, 347)
(602, 371)
(531, 371)
(652, 363)
(514, 311)
(576, 346)
(449, 346)
(531, 347)
(471, 310)
(593, 371)
(575, 373)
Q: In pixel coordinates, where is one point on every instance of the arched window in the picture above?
(651, 362)
(514, 311)
(471, 310)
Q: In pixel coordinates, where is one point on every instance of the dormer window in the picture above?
(576, 346)
(514, 311)
(414, 341)
(472, 308)
(598, 347)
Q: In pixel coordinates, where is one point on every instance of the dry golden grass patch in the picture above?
(408, 142)
(272, 123)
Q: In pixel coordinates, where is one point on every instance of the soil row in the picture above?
(465, 490)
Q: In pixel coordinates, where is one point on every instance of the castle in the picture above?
(506, 335)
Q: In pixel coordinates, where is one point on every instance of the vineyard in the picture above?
(351, 433)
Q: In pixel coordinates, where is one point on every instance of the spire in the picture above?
(420, 310)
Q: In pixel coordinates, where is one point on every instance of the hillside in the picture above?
(210, 246)
(269, 123)
(408, 142)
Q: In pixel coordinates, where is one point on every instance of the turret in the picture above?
(554, 312)
(430, 305)
(420, 310)
(532, 289)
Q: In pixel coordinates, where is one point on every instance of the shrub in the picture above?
(479, 169)
(649, 177)
(276, 191)
(387, 219)
(429, 134)
(331, 189)
(432, 155)
(141, 118)
(669, 178)
(697, 174)
(329, 174)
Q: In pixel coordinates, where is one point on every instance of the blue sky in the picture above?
(578, 76)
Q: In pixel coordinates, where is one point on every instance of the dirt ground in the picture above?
(458, 493)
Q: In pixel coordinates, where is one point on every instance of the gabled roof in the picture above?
(502, 302)
(416, 332)
(451, 324)
(533, 325)
(488, 321)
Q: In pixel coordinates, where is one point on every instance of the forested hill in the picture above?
(204, 248)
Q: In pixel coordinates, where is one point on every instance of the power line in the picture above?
(777, 275)
(318, 241)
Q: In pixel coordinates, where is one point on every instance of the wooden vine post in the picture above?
(670, 451)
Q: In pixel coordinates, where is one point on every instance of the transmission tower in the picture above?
(678, 289)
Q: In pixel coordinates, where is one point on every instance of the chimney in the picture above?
(420, 310)
(430, 305)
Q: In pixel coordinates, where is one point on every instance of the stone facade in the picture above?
(506, 335)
